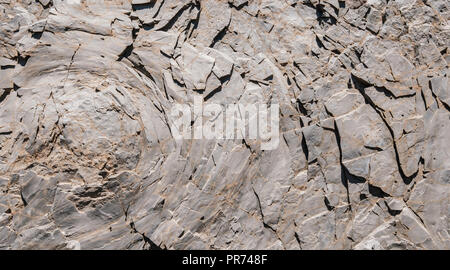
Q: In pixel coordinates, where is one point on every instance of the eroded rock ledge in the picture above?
(87, 158)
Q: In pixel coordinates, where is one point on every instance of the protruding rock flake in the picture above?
(224, 124)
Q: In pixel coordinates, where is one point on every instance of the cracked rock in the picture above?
(89, 159)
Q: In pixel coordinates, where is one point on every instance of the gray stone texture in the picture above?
(88, 161)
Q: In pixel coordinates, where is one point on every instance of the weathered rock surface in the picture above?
(88, 160)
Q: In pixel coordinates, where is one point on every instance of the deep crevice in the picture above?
(174, 19)
(305, 147)
(5, 94)
(149, 5)
(344, 176)
(212, 93)
(219, 37)
(360, 86)
(126, 53)
(147, 240)
(327, 204)
(377, 192)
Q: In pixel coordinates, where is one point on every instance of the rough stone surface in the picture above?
(88, 161)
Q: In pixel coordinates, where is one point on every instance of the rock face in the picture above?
(88, 160)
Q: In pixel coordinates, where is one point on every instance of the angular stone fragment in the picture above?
(374, 20)
(196, 67)
(216, 17)
(38, 27)
(401, 68)
(441, 88)
(223, 63)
